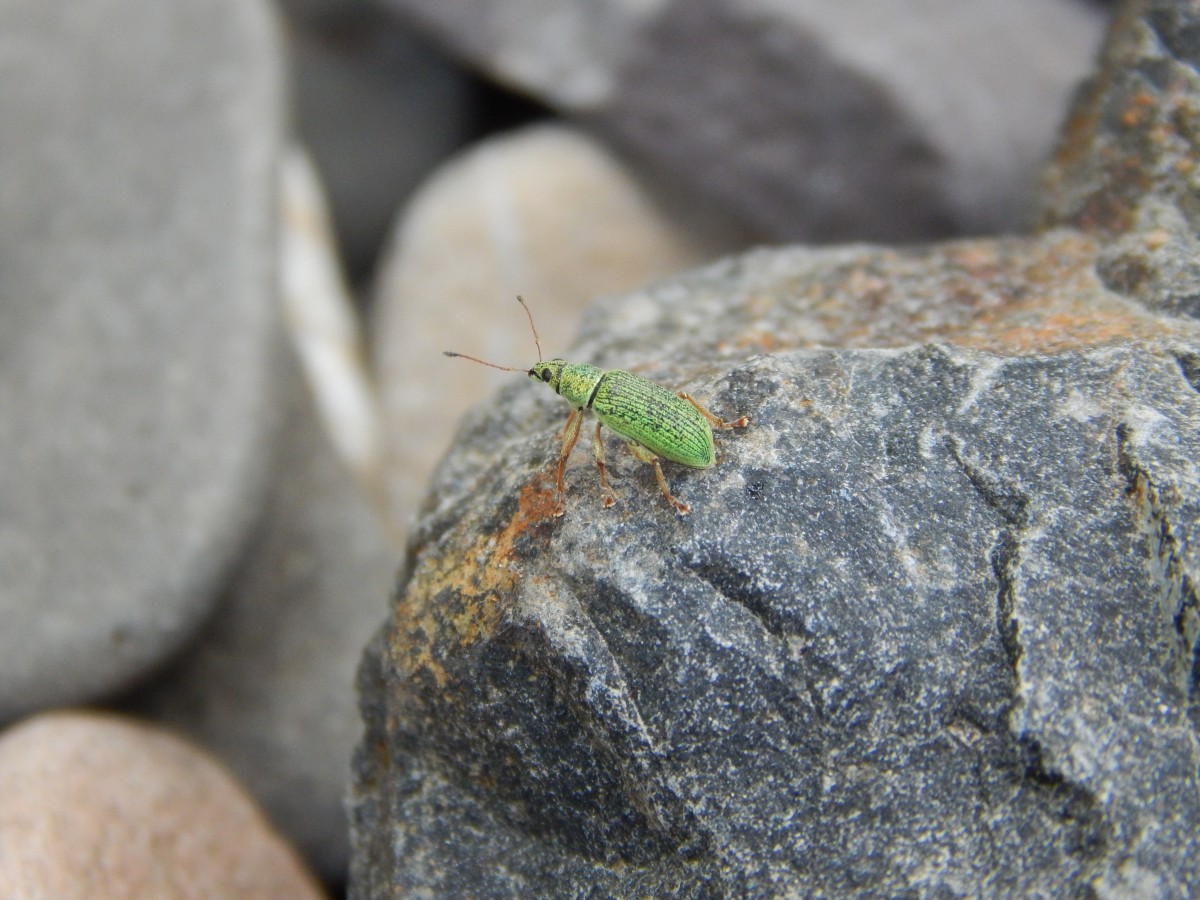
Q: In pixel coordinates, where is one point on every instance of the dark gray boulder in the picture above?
(813, 121)
(930, 628)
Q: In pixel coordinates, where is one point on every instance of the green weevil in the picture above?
(655, 422)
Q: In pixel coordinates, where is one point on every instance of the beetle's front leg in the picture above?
(569, 436)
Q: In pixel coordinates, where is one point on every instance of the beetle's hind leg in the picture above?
(647, 457)
(715, 421)
(598, 452)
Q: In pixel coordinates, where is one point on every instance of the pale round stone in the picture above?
(96, 806)
(547, 213)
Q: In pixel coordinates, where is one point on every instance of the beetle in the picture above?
(654, 421)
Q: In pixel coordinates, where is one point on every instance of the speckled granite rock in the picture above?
(931, 626)
(1127, 169)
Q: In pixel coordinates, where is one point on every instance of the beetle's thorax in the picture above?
(574, 382)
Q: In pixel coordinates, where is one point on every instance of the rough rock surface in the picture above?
(138, 329)
(931, 625)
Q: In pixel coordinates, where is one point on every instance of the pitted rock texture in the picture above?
(931, 627)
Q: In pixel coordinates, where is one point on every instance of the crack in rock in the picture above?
(1013, 508)
(1086, 831)
(1189, 365)
(743, 589)
(1156, 503)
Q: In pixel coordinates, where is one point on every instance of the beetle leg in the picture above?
(647, 457)
(598, 452)
(714, 420)
(569, 436)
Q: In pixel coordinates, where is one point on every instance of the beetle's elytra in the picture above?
(654, 421)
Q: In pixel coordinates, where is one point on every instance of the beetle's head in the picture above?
(548, 371)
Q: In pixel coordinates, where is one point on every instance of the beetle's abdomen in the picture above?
(655, 418)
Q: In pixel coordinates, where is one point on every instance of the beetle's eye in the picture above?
(546, 375)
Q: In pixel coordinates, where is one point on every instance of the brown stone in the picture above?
(99, 806)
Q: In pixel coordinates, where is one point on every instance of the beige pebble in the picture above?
(98, 806)
(546, 212)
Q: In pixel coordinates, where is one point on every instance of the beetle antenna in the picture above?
(482, 362)
(537, 343)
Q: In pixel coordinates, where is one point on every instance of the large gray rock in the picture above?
(814, 120)
(919, 631)
(138, 331)
(269, 684)
(930, 628)
(1126, 165)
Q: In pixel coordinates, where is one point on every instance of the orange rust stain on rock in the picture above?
(1057, 332)
(1053, 303)
(1023, 297)
(1077, 136)
(1156, 240)
(537, 503)
(1105, 214)
(461, 588)
(757, 341)
(979, 260)
(1140, 106)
